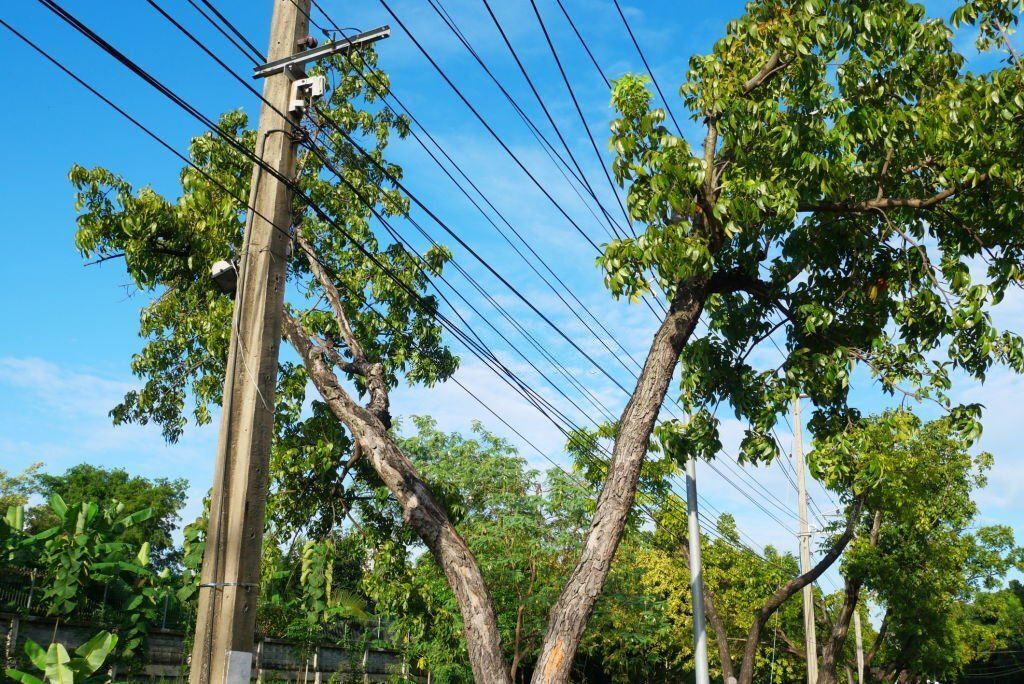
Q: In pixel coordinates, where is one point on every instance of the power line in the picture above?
(579, 111)
(490, 220)
(234, 143)
(583, 42)
(647, 66)
(578, 174)
(241, 36)
(446, 228)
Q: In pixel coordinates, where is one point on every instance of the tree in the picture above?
(525, 527)
(16, 489)
(990, 634)
(88, 483)
(375, 326)
(738, 583)
(914, 550)
(864, 193)
(851, 172)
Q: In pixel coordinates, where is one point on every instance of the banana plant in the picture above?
(59, 667)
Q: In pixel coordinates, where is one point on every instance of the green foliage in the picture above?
(525, 529)
(58, 667)
(996, 20)
(740, 583)
(164, 498)
(84, 562)
(15, 489)
(858, 191)
(169, 247)
(913, 483)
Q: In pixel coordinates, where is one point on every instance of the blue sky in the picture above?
(71, 330)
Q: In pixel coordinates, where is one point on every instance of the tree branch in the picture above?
(862, 206)
(789, 589)
(879, 638)
(373, 373)
(420, 509)
(773, 65)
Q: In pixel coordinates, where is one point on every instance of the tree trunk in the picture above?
(721, 638)
(570, 613)
(419, 509)
(830, 655)
(828, 673)
(785, 592)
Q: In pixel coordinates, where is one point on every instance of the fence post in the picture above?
(259, 661)
(31, 590)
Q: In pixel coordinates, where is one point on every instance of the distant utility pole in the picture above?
(229, 583)
(805, 545)
(700, 630)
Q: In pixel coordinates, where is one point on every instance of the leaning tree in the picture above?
(857, 191)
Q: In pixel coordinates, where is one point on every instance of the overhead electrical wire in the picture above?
(643, 58)
(363, 151)
(183, 104)
(586, 46)
(191, 110)
(579, 110)
(575, 170)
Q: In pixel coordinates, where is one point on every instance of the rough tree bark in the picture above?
(369, 428)
(574, 606)
(830, 655)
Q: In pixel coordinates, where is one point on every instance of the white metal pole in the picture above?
(700, 631)
(860, 647)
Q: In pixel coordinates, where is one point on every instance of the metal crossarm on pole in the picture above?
(326, 50)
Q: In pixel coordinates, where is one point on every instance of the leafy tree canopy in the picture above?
(858, 190)
(88, 483)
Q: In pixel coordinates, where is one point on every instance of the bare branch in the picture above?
(334, 298)
(789, 589)
(860, 207)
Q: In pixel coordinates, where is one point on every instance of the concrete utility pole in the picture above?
(860, 647)
(805, 546)
(700, 630)
(229, 583)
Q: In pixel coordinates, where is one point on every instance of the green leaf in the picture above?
(58, 506)
(36, 654)
(57, 669)
(23, 677)
(95, 651)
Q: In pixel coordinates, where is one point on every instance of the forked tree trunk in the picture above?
(830, 655)
(419, 509)
(568, 617)
(785, 592)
